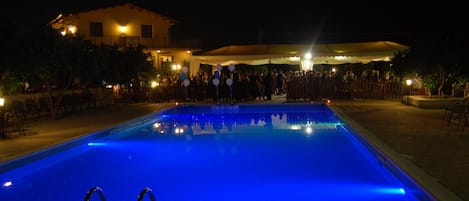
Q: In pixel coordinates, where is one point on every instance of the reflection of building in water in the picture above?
(300, 122)
(170, 128)
(279, 121)
(224, 124)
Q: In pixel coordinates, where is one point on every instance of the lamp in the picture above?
(408, 82)
(123, 30)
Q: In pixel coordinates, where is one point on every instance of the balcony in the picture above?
(126, 41)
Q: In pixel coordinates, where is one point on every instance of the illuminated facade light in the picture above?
(123, 29)
(340, 57)
(72, 29)
(154, 84)
(294, 58)
(307, 65)
(306, 62)
(69, 29)
(176, 67)
(308, 56)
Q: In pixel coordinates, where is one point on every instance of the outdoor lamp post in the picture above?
(409, 83)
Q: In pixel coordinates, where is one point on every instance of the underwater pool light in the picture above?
(391, 190)
(96, 144)
(7, 184)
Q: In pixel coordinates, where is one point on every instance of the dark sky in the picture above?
(241, 22)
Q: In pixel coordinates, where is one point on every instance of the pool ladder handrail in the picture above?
(142, 194)
(93, 190)
(145, 191)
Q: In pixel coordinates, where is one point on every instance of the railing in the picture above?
(308, 89)
(93, 190)
(298, 89)
(146, 191)
(141, 196)
(157, 41)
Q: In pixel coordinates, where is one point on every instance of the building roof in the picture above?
(129, 5)
(335, 53)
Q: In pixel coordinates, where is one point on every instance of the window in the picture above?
(96, 29)
(167, 58)
(147, 31)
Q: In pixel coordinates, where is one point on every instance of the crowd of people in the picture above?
(245, 86)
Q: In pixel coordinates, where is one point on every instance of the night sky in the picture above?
(218, 23)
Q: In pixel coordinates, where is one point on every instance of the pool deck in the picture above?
(418, 139)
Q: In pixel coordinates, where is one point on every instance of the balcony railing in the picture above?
(125, 41)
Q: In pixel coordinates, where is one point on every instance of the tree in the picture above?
(53, 62)
(10, 54)
(134, 70)
(439, 59)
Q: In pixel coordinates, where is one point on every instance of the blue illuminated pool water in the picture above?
(211, 153)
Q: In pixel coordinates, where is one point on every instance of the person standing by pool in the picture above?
(268, 85)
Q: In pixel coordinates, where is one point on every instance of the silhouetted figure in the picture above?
(268, 85)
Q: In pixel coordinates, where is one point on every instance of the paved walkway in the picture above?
(416, 135)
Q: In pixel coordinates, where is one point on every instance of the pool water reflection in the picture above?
(216, 152)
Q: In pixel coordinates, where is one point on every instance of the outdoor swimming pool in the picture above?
(214, 152)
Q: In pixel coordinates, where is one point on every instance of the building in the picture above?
(126, 25)
(131, 25)
(304, 55)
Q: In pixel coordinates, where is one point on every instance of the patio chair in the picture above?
(458, 112)
(19, 109)
(14, 123)
(448, 109)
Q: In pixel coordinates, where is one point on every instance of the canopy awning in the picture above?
(339, 53)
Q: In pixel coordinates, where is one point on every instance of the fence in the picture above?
(298, 89)
(308, 89)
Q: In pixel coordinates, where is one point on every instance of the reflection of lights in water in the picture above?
(309, 126)
(7, 184)
(260, 123)
(279, 121)
(178, 130)
(157, 125)
(295, 127)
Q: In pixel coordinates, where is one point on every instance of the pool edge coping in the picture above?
(421, 178)
(73, 142)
